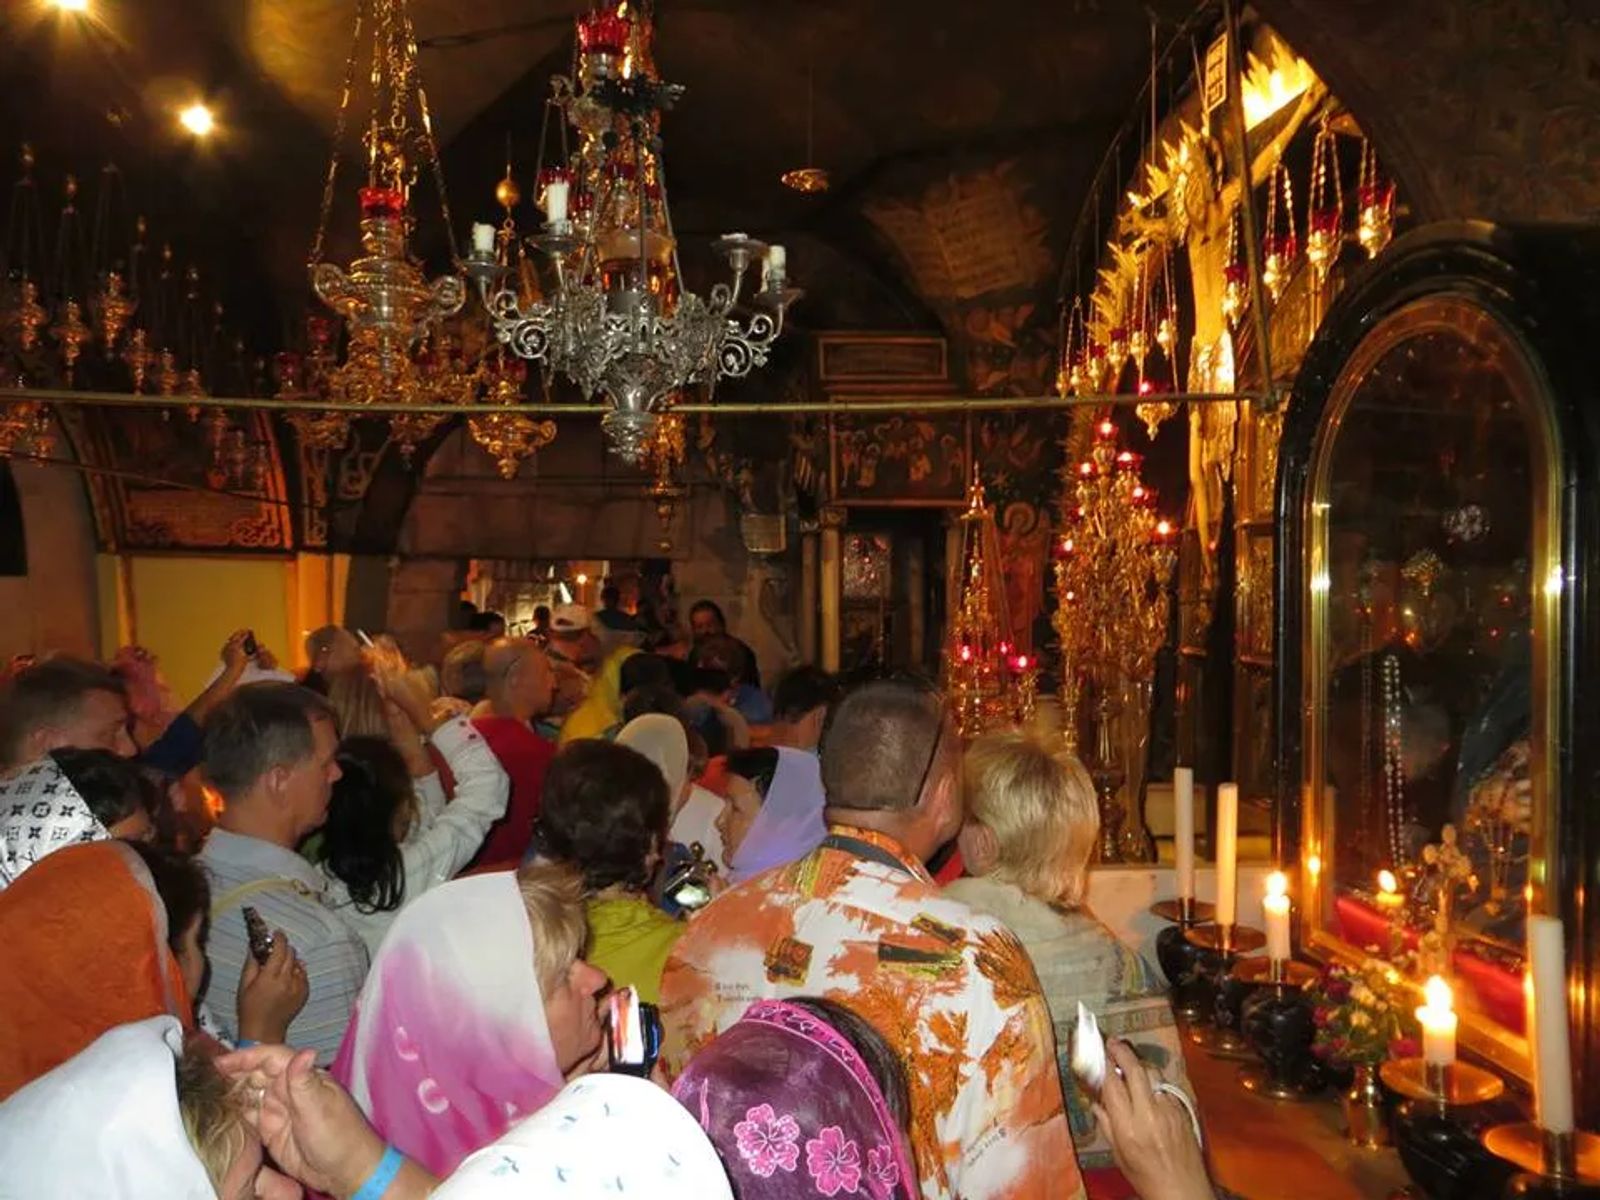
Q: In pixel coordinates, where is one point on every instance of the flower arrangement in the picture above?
(1500, 815)
(1362, 1015)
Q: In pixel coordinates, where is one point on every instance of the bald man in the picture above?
(521, 687)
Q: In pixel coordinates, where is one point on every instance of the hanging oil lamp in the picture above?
(1279, 246)
(1375, 198)
(1167, 326)
(1139, 326)
(1074, 336)
(1325, 205)
(1235, 277)
(1116, 354)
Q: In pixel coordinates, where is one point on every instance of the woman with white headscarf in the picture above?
(476, 1008)
(133, 1117)
(664, 741)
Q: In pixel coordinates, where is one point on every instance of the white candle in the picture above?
(555, 200)
(1438, 1023)
(1183, 829)
(482, 238)
(1275, 911)
(1227, 853)
(777, 260)
(1552, 1054)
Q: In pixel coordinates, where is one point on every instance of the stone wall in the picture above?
(53, 606)
(1484, 108)
(575, 502)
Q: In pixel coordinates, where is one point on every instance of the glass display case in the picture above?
(1433, 624)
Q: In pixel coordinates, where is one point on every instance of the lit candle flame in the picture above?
(1437, 994)
(1277, 884)
(1386, 882)
(1314, 865)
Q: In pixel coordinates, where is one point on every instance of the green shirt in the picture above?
(630, 939)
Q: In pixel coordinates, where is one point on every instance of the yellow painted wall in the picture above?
(183, 610)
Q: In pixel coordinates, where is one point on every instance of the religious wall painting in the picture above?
(1254, 586)
(900, 460)
(969, 235)
(1196, 600)
(1008, 350)
(162, 486)
(866, 617)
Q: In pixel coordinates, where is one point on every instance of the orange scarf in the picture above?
(86, 950)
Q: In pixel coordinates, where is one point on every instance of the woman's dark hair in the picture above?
(644, 670)
(113, 787)
(183, 887)
(652, 698)
(358, 843)
(759, 765)
(605, 810)
(885, 1066)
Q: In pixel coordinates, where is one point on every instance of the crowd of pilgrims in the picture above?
(458, 864)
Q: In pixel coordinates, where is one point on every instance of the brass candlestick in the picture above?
(1443, 1086)
(1552, 1164)
(1221, 946)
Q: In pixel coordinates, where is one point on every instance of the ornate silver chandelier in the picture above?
(615, 318)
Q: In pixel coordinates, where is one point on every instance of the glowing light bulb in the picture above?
(582, 579)
(198, 120)
(71, 6)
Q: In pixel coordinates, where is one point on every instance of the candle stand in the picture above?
(1565, 1165)
(1277, 1024)
(1220, 947)
(1192, 994)
(1435, 1134)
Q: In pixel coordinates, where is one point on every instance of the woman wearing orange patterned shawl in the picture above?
(85, 934)
(861, 922)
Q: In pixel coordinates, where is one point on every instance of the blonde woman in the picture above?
(1032, 825)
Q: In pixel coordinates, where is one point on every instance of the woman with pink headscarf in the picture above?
(476, 1009)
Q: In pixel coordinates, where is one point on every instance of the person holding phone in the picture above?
(478, 1008)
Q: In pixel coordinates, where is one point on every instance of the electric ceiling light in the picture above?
(198, 120)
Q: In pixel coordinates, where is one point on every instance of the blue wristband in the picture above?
(382, 1175)
(245, 1043)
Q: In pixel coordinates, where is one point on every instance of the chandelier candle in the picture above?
(555, 201)
(1227, 854)
(1552, 1056)
(1275, 910)
(482, 238)
(1183, 830)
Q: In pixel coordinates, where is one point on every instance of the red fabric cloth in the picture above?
(526, 757)
(1487, 986)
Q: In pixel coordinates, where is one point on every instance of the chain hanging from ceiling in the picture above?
(85, 306)
(616, 318)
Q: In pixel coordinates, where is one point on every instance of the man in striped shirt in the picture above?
(270, 752)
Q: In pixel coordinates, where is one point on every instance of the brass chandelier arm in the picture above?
(802, 408)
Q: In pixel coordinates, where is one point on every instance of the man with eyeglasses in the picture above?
(860, 921)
